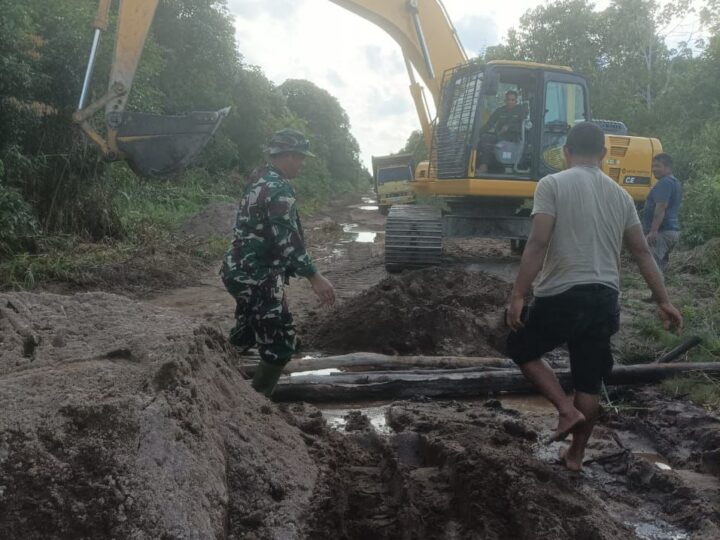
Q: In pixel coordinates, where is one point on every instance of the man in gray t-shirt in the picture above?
(581, 218)
(661, 214)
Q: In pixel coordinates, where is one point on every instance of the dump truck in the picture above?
(392, 175)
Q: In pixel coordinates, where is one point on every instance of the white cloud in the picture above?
(349, 57)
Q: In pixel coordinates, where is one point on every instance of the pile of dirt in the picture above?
(701, 259)
(123, 420)
(441, 310)
(215, 220)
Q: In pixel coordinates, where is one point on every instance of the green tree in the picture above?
(329, 129)
(415, 145)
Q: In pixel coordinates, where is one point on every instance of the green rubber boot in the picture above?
(266, 377)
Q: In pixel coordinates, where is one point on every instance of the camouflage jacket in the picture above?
(268, 235)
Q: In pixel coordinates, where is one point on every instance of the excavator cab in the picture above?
(153, 145)
(549, 100)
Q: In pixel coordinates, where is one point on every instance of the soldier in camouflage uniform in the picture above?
(267, 250)
(504, 124)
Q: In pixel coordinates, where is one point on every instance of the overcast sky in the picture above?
(355, 60)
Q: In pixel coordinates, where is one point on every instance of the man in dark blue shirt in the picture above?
(661, 215)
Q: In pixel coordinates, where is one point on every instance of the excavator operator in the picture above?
(504, 124)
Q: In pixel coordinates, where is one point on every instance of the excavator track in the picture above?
(413, 237)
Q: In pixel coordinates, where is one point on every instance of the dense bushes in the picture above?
(17, 223)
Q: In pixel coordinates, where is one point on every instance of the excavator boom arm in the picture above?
(423, 30)
(428, 41)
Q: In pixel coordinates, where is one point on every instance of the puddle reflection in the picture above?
(337, 418)
(657, 531)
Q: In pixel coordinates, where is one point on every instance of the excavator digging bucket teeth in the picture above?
(156, 145)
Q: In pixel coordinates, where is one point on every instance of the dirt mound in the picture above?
(449, 310)
(703, 258)
(215, 220)
(122, 420)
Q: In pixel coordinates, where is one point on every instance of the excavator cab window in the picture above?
(565, 106)
(505, 134)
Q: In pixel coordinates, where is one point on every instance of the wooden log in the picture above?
(682, 348)
(400, 385)
(366, 361)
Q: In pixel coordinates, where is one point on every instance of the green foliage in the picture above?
(415, 145)
(17, 223)
(190, 62)
(59, 259)
(701, 208)
(328, 128)
(701, 388)
(700, 320)
(147, 207)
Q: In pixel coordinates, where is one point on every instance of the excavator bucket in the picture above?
(156, 145)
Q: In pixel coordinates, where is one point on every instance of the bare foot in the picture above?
(571, 461)
(567, 422)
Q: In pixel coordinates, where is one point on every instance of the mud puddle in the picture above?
(348, 418)
(658, 531)
(353, 233)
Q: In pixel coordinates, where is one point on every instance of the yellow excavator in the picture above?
(484, 189)
(485, 193)
(153, 145)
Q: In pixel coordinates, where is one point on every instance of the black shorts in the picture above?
(584, 317)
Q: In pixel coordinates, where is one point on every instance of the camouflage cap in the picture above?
(288, 140)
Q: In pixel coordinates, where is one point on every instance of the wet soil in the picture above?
(130, 419)
(124, 420)
(482, 470)
(443, 310)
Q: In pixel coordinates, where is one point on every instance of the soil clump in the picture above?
(445, 310)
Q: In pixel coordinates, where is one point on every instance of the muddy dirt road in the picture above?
(473, 469)
(127, 419)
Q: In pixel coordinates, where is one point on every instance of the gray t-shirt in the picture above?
(591, 213)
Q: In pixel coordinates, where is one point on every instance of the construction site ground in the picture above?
(126, 415)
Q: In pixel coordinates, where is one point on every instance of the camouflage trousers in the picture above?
(262, 317)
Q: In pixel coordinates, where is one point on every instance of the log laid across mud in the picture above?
(367, 361)
(465, 384)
